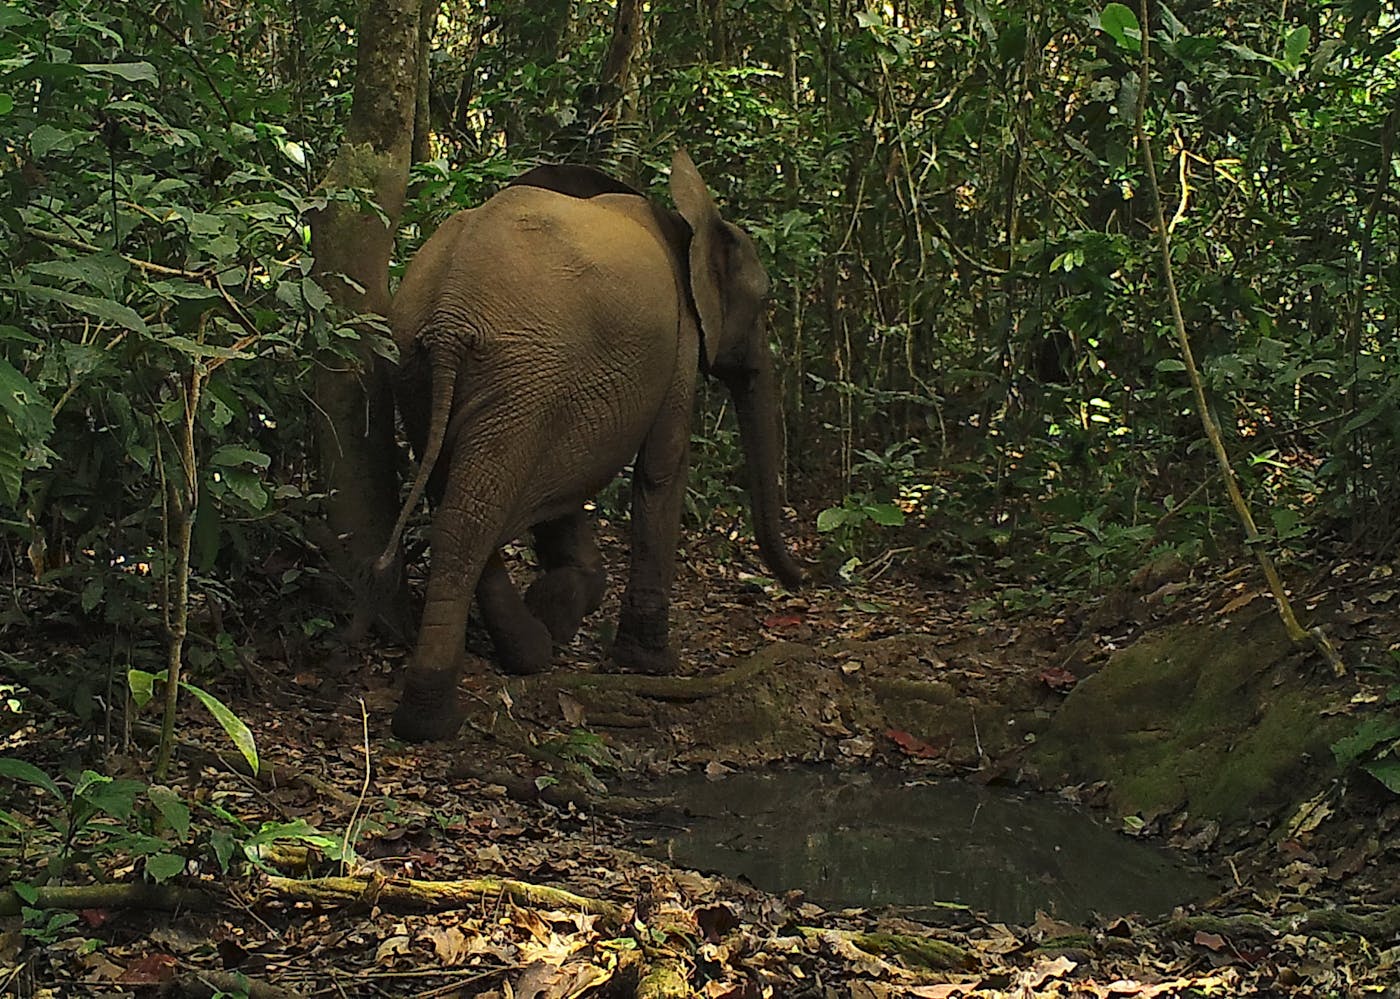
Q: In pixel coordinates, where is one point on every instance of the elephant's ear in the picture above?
(707, 250)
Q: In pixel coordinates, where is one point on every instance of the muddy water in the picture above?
(872, 839)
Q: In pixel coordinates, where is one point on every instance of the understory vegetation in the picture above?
(979, 368)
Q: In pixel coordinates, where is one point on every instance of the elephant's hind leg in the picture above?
(573, 580)
(466, 530)
(523, 643)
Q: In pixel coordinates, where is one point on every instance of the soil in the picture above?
(1175, 704)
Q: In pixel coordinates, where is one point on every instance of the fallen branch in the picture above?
(137, 895)
(681, 688)
(438, 895)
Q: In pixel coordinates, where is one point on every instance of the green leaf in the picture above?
(1368, 735)
(885, 514)
(11, 461)
(315, 296)
(46, 139)
(142, 685)
(115, 797)
(30, 774)
(27, 892)
(247, 487)
(241, 735)
(108, 311)
(175, 812)
(1295, 44)
(869, 18)
(1171, 364)
(1122, 24)
(231, 454)
(187, 346)
(164, 866)
(831, 518)
(1386, 771)
(134, 72)
(25, 404)
(7, 103)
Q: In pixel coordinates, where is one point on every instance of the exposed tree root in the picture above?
(438, 895)
(137, 895)
(1381, 924)
(680, 688)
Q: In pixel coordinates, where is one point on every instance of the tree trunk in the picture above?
(615, 83)
(354, 403)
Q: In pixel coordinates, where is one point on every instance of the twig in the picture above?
(350, 831)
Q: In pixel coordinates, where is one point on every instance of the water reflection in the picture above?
(870, 839)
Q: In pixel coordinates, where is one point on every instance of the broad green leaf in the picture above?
(1387, 771)
(164, 866)
(292, 150)
(175, 812)
(30, 412)
(7, 103)
(831, 518)
(92, 594)
(1122, 25)
(1368, 735)
(315, 295)
(241, 735)
(869, 18)
(230, 454)
(1295, 44)
(885, 514)
(142, 685)
(30, 774)
(246, 486)
(46, 139)
(11, 461)
(134, 72)
(108, 311)
(115, 797)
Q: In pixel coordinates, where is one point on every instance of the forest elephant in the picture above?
(546, 339)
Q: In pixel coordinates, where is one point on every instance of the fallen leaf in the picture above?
(912, 745)
(716, 921)
(574, 712)
(153, 969)
(1042, 971)
(390, 948)
(449, 943)
(1212, 941)
(1058, 678)
(783, 622)
(94, 917)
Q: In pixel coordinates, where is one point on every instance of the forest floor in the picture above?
(456, 847)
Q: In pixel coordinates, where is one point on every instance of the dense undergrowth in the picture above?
(978, 373)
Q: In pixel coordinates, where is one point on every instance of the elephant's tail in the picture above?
(443, 363)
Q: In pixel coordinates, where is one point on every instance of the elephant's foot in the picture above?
(525, 647)
(562, 598)
(633, 657)
(643, 644)
(428, 719)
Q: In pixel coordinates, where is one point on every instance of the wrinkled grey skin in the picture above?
(547, 339)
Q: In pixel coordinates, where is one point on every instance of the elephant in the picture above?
(547, 339)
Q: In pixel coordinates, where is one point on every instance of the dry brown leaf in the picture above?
(449, 943)
(391, 948)
(1043, 970)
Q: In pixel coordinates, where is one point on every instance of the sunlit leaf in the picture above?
(234, 726)
(1121, 24)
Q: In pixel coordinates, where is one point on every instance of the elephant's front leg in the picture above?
(658, 489)
(572, 580)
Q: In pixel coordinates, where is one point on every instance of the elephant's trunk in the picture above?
(755, 396)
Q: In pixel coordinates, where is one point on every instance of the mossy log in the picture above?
(138, 895)
(438, 895)
(1380, 924)
(914, 951)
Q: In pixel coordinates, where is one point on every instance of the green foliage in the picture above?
(142, 686)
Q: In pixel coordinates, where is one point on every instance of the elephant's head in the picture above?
(729, 288)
